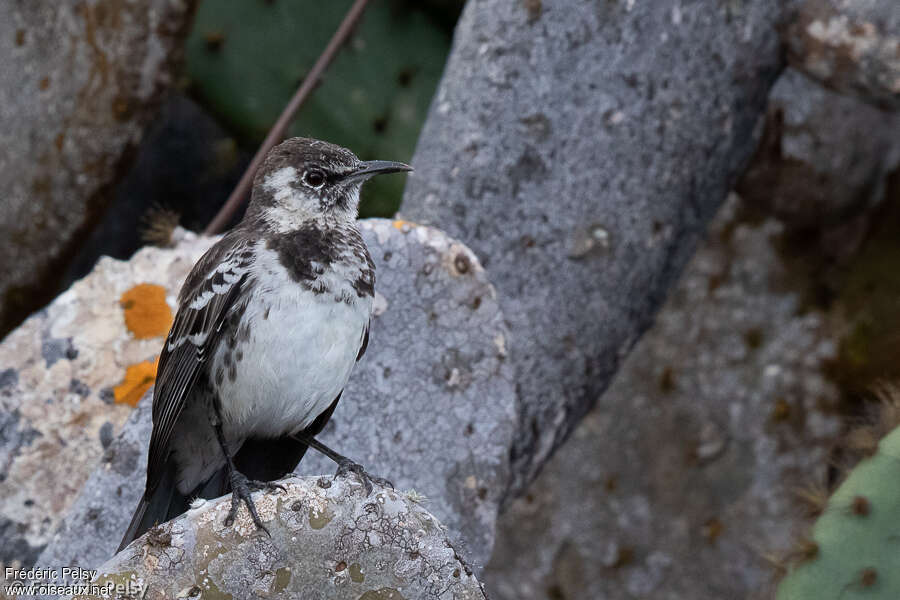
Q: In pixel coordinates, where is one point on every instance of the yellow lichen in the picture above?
(138, 379)
(147, 314)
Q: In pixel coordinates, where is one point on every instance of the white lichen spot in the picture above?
(587, 239)
(500, 343)
(379, 304)
(454, 379)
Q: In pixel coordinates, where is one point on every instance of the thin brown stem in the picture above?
(276, 134)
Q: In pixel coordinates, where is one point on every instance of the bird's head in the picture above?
(303, 179)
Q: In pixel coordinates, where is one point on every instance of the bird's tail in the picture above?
(162, 504)
(263, 459)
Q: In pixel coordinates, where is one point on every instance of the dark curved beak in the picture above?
(371, 168)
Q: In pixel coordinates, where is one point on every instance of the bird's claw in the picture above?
(242, 489)
(347, 466)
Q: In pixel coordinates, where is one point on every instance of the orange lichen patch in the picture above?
(147, 314)
(402, 225)
(138, 379)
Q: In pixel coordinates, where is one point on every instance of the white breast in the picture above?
(297, 357)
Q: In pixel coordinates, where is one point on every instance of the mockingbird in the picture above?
(270, 322)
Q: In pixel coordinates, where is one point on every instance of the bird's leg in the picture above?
(241, 487)
(345, 465)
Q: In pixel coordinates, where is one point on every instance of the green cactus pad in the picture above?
(246, 58)
(858, 536)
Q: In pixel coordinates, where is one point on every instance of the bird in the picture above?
(270, 323)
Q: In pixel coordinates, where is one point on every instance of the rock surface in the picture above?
(78, 81)
(824, 157)
(430, 407)
(685, 476)
(580, 149)
(59, 376)
(184, 169)
(328, 540)
(852, 46)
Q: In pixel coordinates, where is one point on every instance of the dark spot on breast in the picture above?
(232, 373)
(226, 358)
(239, 355)
(302, 251)
(220, 376)
(365, 283)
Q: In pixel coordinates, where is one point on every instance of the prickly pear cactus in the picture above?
(857, 538)
(245, 59)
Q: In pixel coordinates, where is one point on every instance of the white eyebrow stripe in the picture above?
(279, 182)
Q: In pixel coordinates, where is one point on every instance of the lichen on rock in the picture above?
(376, 546)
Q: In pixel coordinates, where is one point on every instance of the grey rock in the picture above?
(824, 157)
(78, 81)
(183, 170)
(58, 371)
(680, 482)
(431, 406)
(93, 525)
(851, 46)
(328, 540)
(580, 149)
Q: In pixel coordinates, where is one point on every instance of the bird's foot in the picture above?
(241, 489)
(347, 466)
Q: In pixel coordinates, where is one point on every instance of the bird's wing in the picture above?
(365, 342)
(214, 289)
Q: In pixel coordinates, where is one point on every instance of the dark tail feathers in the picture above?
(266, 460)
(165, 503)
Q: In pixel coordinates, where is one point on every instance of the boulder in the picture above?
(851, 46)
(69, 377)
(430, 406)
(824, 157)
(327, 538)
(687, 475)
(78, 83)
(580, 150)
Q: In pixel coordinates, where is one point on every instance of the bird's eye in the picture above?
(314, 178)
